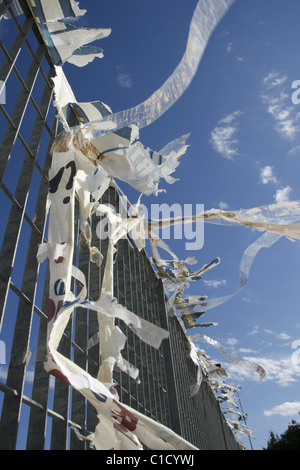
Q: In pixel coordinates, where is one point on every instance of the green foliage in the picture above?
(289, 440)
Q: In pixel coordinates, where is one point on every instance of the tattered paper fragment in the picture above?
(65, 41)
(123, 156)
(230, 356)
(73, 175)
(207, 15)
(275, 220)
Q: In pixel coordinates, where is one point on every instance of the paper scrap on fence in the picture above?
(275, 220)
(65, 41)
(119, 426)
(230, 356)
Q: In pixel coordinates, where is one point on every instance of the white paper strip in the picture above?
(207, 15)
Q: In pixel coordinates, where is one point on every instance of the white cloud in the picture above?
(294, 150)
(247, 351)
(283, 335)
(229, 47)
(285, 409)
(223, 136)
(274, 79)
(281, 370)
(232, 341)
(125, 80)
(283, 195)
(278, 102)
(267, 175)
(215, 284)
(223, 205)
(254, 331)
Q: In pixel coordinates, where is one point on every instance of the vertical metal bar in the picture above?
(38, 417)
(18, 358)
(59, 433)
(14, 224)
(12, 55)
(40, 390)
(63, 393)
(94, 289)
(78, 411)
(13, 229)
(19, 110)
(4, 6)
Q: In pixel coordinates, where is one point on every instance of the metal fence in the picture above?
(38, 411)
(199, 417)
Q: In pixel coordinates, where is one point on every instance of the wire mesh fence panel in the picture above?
(39, 411)
(28, 129)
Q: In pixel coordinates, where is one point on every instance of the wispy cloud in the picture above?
(229, 47)
(232, 341)
(274, 79)
(223, 136)
(125, 79)
(287, 408)
(223, 205)
(254, 331)
(267, 175)
(215, 284)
(283, 195)
(280, 370)
(282, 335)
(294, 150)
(247, 351)
(276, 95)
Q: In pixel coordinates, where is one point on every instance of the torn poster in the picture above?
(66, 42)
(118, 152)
(123, 156)
(73, 174)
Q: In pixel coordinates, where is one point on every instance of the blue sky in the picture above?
(244, 152)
